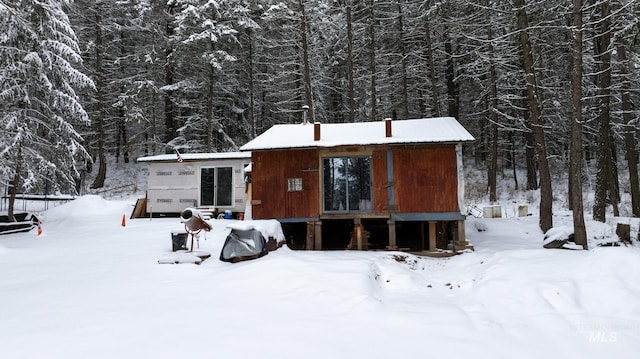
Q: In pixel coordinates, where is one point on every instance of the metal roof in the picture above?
(425, 130)
(172, 157)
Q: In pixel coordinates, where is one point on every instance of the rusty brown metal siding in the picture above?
(380, 181)
(425, 179)
(271, 170)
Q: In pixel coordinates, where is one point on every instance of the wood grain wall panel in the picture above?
(380, 181)
(270, 174)
(425, 179)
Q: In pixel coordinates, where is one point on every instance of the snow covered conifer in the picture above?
(38, 103)
(206, 36)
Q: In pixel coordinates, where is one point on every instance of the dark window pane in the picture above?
(359, 183)
(224, 186)
(347, 178)
(334, 184)
(206, 186)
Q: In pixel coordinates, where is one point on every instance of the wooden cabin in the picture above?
(211, 181)
(372, 185)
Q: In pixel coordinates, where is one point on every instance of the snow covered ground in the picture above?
(90, 288)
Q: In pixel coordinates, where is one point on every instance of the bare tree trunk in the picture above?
(433, 76)
(152, 134)
(372, 60)
(530, 149)
(512, 160)
(119, 147)
(122, 124)
(403, 62)
(118, 144)
(493, 161)
(534, 101)
(530, 155)
(614, 188)
(122, 142)
(629, 134)
(350, 86)
(169, 119)
(632, 159)
(98, 182)
(307, 66)
(15, 184)
(452, 90)
(493, 125)
(252, 117)
(125, 140)
(575, 152)
(604, 183)
(209, 139)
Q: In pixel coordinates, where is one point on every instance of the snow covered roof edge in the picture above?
(196, 156)
(425, 130)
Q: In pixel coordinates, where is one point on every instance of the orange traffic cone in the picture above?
(39, 229)
(124, 221)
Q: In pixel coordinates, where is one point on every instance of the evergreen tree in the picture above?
(210, 75)
(212, 102)
(39, 107)
(286, 87)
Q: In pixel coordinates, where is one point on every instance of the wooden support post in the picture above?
(392, 235)
(460, 242)
(357, 227)
(432, 236)
(318, 235)
(461, 234)
(310, 236)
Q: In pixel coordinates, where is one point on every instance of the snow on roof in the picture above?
(425, 130)
(196, 156)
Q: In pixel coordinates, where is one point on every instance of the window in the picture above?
(294, 184)
(216, 186)
(346, 184)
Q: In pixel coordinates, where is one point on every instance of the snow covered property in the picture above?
(90, 288)
(369, 185)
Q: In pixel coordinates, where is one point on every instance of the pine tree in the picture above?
(39, 107)
(212, 103)
(282, 76)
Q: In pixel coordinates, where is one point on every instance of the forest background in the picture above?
(546, 87)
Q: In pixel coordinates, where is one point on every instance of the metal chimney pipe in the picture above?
(387, 127)
(316, 131)
(305, 110)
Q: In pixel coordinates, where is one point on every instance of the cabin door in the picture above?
(216, 186)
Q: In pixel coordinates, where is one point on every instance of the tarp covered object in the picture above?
(23, 222)
(243, 244)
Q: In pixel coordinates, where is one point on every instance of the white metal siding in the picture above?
(174, 186)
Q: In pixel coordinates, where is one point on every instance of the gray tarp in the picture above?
(242, 245)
